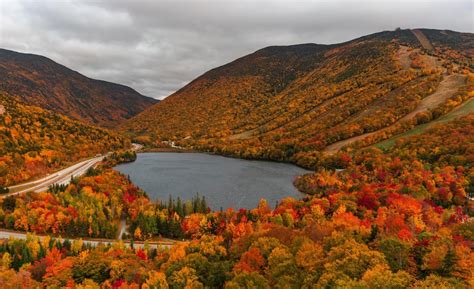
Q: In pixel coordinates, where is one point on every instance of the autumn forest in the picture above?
(384, 122)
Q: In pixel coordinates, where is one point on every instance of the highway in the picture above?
(6, 234)
(64, 177)
(60, 177)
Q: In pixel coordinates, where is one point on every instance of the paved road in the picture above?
(60, 177)
(6, 234)
(64, 177)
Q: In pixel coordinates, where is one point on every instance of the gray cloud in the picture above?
(157, 47)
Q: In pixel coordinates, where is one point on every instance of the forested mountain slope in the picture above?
(39, 81)
(395, 219)
(34, 141)
(285, 102)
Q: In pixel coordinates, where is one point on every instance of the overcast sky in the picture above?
(156, 47)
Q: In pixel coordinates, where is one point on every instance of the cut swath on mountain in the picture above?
(283, 102)
(40, 81)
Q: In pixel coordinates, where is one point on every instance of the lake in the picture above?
(225, 182)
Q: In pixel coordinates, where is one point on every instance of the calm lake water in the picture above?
(226, 182)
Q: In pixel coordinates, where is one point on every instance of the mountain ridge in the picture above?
(39, 80)
(287, 100)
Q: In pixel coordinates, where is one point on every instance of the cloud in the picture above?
(157, 47)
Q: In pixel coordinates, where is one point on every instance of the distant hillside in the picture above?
(284, 102)
(40, 81)
(34, 141)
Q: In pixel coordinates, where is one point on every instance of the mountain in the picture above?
(35, 141)
(282, 102)
(40, 81)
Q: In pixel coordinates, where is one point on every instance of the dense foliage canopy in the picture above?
(282, 103)
(398, 214)
(384, 219)
(40, 81)
(34, 141)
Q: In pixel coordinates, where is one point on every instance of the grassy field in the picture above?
(466, 108)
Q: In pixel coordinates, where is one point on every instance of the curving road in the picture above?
(64, 177)
(60, 177)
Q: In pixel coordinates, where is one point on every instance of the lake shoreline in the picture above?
(230, 156)
(226, 181)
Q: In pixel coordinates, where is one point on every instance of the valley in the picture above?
(346, 165)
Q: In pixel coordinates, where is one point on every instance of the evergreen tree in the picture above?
(170, 204)
(179, 207)
(25, 255)
(67, 244)
(449, 262)
(203, 205)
